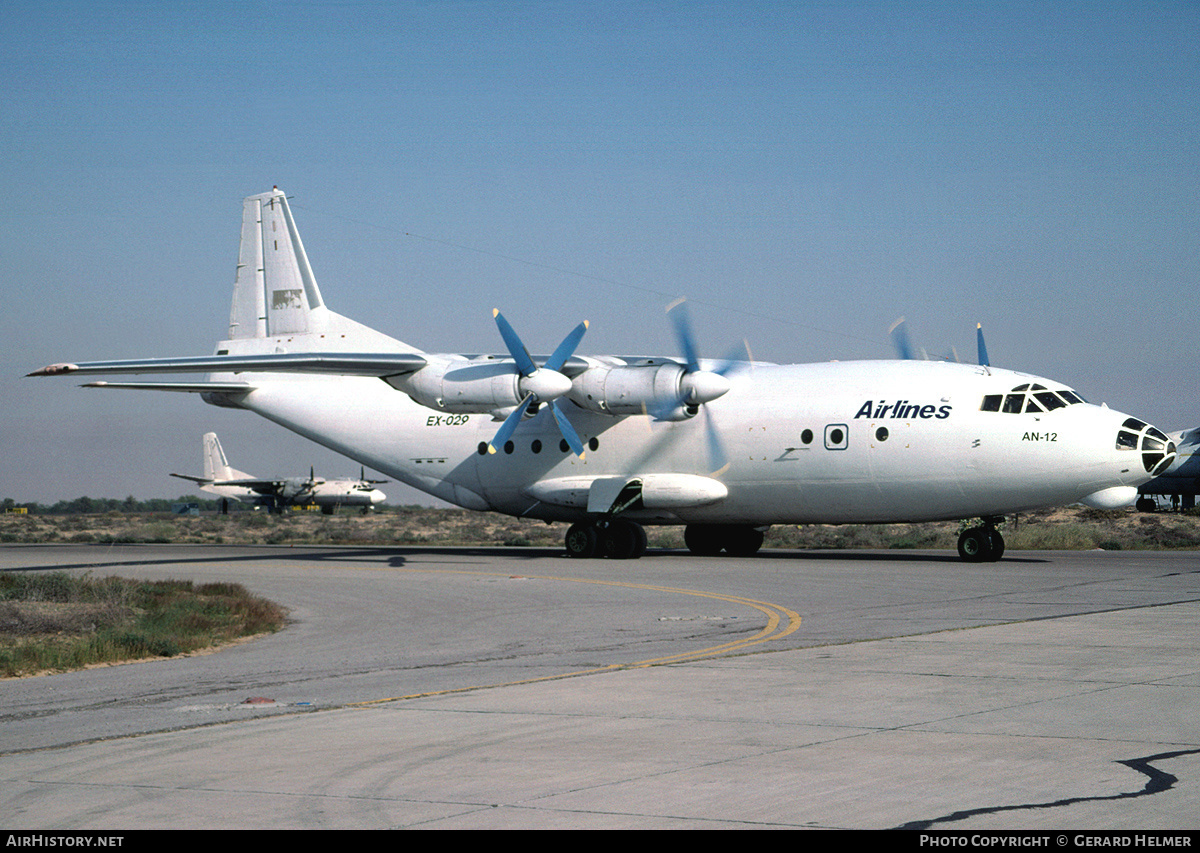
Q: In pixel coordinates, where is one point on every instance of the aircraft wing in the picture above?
(262, 487)
(353, 364)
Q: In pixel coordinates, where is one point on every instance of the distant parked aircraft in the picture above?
(220, 479)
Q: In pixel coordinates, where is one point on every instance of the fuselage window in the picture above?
(806, 437)
(836, 437)
(881, 434)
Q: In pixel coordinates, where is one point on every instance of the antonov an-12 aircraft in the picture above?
(281, 492)
(613, 443)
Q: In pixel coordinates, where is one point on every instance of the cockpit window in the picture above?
(1033, 398)
(1126, 440)
(1050, 400)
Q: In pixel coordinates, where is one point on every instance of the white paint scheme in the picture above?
(943, 458)
(226, 482)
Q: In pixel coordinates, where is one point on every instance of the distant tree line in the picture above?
(129, 504)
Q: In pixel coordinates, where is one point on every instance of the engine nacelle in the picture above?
(466, 386)
(631, 390)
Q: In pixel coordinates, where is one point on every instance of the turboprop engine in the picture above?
(666, 390)
(480, 385)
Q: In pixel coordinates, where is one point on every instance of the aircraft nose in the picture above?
(1157, 451)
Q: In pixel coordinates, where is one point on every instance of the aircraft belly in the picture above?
(375, 425)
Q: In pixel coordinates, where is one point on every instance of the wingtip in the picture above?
(54, 369)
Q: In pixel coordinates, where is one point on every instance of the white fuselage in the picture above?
(942, 457)
(329, 493)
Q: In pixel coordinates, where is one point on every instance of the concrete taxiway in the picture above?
(471, 688)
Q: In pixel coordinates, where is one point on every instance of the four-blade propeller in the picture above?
(539, 384)
(547, 384)
(698, 386)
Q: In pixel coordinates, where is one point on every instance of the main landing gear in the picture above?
(615, 538)
(982, 543)
(709, 540)
(619, 539)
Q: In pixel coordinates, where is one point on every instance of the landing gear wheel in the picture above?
(582, 540)
(997, 545)
(703, 540)
(622, 540)
(736, 540)
(980, 545)
(743, 541)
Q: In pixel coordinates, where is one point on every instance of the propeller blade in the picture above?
(983, 356)
(568, 431)
(510, 425)
(567, 348)
(516, 349)
(899, 333)
(683, 333)
(717, 460)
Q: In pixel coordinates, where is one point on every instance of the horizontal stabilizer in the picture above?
(185, 387)
(204, 481)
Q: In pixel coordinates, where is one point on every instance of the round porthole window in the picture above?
(881, 434)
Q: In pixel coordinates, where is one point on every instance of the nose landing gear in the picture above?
(982, 543)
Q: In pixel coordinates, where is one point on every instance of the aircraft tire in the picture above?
(742, 541)
(582, 540)
(623, 540)
(703, 540)
(997, 545)
(980, 545)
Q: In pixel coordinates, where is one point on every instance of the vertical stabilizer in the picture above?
(216, 466)
(277, 306)
(275, 292)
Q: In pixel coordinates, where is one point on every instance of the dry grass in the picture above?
(1074, 528)
(51, 622)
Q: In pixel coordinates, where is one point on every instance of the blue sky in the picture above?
(804, 173)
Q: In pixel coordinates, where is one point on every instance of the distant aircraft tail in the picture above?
(275, 294)
(216, 466)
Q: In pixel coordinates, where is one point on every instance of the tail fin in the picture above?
(275, 293)
(216, 466)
